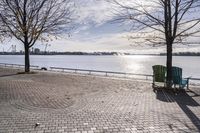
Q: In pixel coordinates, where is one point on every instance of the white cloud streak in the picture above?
(92, 14)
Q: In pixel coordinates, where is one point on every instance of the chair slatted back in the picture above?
(176, 75)
(159, 73)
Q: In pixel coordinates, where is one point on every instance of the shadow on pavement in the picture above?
(8, 75)
(184, 100)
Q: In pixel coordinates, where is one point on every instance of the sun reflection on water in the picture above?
(134, 64)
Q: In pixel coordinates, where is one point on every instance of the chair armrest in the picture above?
(188, 78)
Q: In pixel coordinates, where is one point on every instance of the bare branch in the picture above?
(174, 18)
(28, 20)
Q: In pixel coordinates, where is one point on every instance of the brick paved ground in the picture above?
(88, 104)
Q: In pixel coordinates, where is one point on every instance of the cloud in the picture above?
(93, 11)
(114, 42)
(110, 42)
(95, 33)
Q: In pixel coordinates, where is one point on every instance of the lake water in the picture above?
(139, 64)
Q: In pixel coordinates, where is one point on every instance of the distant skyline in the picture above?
(95, 32)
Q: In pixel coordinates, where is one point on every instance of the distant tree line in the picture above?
(64, 53)
(184, 54)
(98, 53)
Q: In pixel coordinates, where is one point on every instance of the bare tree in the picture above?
(30, 20)
(161, 22)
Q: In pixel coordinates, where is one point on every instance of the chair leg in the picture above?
(180, 86)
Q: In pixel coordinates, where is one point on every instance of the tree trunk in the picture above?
(27, 60)
(169, 65)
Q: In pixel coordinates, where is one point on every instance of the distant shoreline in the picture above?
(99, 53)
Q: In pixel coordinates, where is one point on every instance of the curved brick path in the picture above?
(87, 104)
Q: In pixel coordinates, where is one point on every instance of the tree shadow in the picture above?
(8, 75)
(194, 93)
(184, 100)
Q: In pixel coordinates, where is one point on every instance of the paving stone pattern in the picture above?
(74, 103)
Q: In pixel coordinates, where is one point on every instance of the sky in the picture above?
(94, 32)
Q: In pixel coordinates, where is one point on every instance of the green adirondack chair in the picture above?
(177, 78)
(159, 74)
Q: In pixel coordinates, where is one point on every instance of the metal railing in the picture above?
(17, 65)
(195, 79)
(106, 73)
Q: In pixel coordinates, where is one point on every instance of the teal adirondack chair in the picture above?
(159, 74)
(177, 78)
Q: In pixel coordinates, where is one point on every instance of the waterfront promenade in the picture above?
(54, 102)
